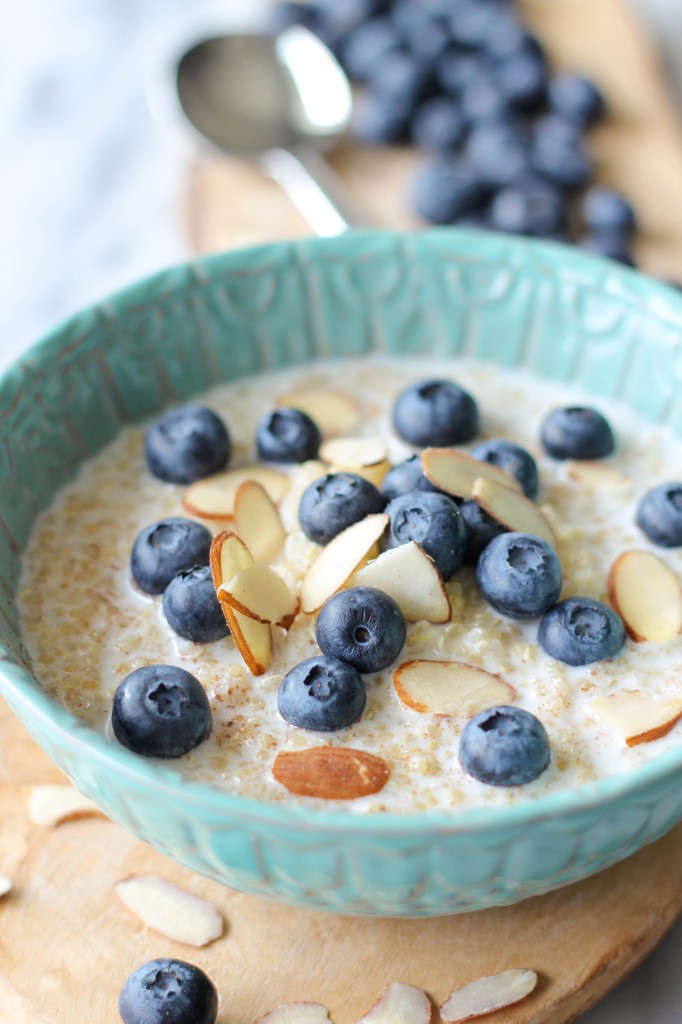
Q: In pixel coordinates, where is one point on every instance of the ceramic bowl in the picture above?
(563, 314)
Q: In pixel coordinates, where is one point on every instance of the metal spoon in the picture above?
(281, 99)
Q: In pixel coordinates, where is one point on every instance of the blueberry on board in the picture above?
(498, 151)
(402, 76)
(425, 30)
(287, 435)
(577, 98)
(160, 711)
(480, 530)
(445, 188)
(577, 432)
(168, 991)
(504, 746)
(605, 210)
(482, 99)
(659, 514)
(321, 694)
(454, 68)
(434, 522)
(437, 124)
(192, 608)
(408, 15)
(512, 459)
(367, 45)
(435, 412)
(341, 19)
(362, 626)
(406, 476)
(186, 444)
(612, 245)
(528, 206)
(474, 23)
(381, 119)
(581, 630)
(519, 575)
(568, 165)
(522, 80)
(162, 550)
(556, 130)
(334, 502)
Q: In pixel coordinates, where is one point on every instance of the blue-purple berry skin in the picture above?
(166, 991)
(334, 502)
(581, 630)
(434, 522)
(504, 746)
(322, 694)
(164, 549)
(577, 432)
(519, 575)
(659, 514)
(161, 711)
(435, 412)
(192, 608)
(362, 626)
(187, 444)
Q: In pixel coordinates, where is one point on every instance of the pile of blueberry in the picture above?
(466, 80)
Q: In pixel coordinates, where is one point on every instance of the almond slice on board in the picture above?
(229, 556)
(257, 521)
(354, 451)
(170, 910)
(512, 510)
(296, 1013)
(339, 559)
(410, 577)
(333, 412)
(647, 596)
(635, 716)
(260, 593)
(455, 472)
(400, 1004)
(54, 804)
(449, 687)
(598, 476)
(214, 496)
(331, 773)
(488, 994)
(5, 885)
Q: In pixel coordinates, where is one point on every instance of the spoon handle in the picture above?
(314, 189)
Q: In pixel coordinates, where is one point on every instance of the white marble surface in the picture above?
(89, 194)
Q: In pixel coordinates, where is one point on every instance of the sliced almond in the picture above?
(5, 885)
(647, 596)
(257, 521)
(488, 994)
(400, 1004)
(455, 472)
(260, 593)
(229, 556)
(410, 577)
(296, 1013)
(333, 412)
(214, 497)
(331, 773)
(354, 451)
(375, 474)
(449, 687)
(54, 804)
(512, 509)
(597, 476)
(635, 716)
(170, 910)
(337, 562)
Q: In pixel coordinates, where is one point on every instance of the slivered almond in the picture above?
(647, 596)
(410, 577)
(375, 474)
(296, 1013)
(339, 559)
(333, 412)
(354, 451)
(229, 556)
(635, 716)
(260, 593)
(512, 509)
(332, 773)
(257, 521)
(488, 994)
(54, 804)
(455, 473)
(449, 687)
(597, 476)
(5, 885)
(400, 1004)
(214, 497)
(170, 910)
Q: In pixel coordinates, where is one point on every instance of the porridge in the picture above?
(88, 625)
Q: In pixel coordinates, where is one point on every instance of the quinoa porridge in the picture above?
(87, 625)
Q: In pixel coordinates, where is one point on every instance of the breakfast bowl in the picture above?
(562, 314)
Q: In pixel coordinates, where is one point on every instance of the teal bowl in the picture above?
(565, 315)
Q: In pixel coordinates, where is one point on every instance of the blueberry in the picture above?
(381, 119)
(362, 626)
(434, 522)
(321, 694)
(406, 476)
(186, 444)
(529, 206)
(454, 68)
(612, 245)
(160, 711)
(168, 991)
(519, 575)
(334, 502)
(368, 44)
(567, 165)
(445, 188)
(435, 412)
(290, 12)
(577, 432)
(162, 550)
(498, 150)
(512, 459)
(481, 99)
(192, 608)
(287, 435)
(341, 19)
(522, 80)
(605, 210)
(504, 746)
(402, 76)
(481, 529)
(474, 23)
(659, 515)
(425, 31)
(581, 630)
(437, 124)
(478, 220)
(576, 98)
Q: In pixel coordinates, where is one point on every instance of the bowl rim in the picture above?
(24, 690)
